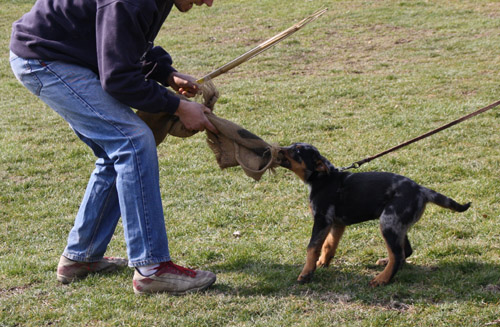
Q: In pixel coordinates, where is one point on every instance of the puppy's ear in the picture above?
(321, 165)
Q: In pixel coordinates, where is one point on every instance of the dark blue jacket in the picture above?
(114, 38)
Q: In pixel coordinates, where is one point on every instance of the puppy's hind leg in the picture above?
(330, 245)
(408, 252)
(396, 257)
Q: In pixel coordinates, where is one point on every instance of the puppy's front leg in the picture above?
(330, 245)
(319, 233)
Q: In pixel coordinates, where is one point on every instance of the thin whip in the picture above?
(263, 46)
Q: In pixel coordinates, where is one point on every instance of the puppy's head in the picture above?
(305, 161)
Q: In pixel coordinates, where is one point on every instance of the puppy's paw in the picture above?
(379, 281)
(303, 279)
(382, 262)
(323, 262)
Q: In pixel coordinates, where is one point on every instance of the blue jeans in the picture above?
(126, 178)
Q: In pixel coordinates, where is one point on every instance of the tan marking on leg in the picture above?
(310, 266)
(330, 246)
(385, 276)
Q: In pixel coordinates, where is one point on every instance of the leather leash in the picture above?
(358, 164)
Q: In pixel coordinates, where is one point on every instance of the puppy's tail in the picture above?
(444, 201)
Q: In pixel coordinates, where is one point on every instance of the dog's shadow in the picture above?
(444, 282)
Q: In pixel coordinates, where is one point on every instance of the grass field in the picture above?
(366, 76)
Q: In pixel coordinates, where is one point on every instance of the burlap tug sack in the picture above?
(233, 146)
(236, 146)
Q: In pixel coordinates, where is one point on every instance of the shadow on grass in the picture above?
(446, 282)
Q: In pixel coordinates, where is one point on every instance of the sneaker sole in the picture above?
(192, 290)
(67, 280)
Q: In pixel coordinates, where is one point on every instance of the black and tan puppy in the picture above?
(339, 199)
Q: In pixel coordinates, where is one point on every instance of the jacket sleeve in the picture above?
(121, 40)
(157, 65)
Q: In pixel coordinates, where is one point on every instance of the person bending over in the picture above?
(92, 61)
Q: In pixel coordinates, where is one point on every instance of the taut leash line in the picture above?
(358, 164)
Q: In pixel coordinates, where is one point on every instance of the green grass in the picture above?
(366, 76)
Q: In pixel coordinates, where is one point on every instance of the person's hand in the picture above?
(183, 84)
(192, 116)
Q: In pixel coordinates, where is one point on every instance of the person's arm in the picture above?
(157, 65)
(121, 30)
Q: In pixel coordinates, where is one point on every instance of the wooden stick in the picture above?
(263, 46)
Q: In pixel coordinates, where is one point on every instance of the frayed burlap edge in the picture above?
(235, 146)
